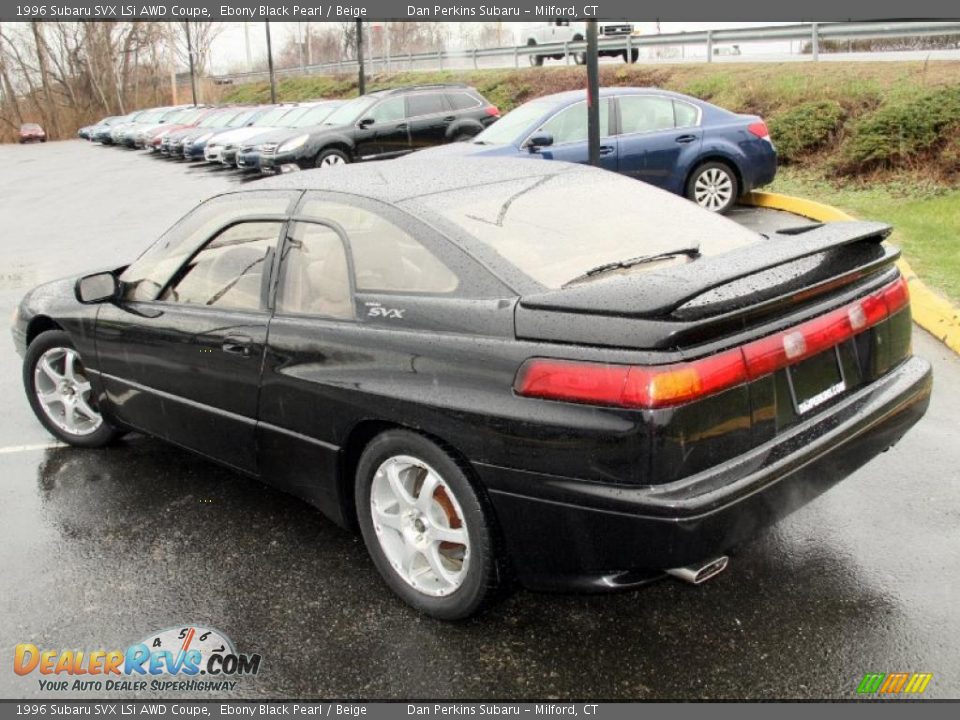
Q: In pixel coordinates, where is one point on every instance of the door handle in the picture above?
(684, 139)
(606, 149)
(450, 118)
(237, 345)
(402, 126)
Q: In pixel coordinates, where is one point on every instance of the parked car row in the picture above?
(678, 143)
(320, 133)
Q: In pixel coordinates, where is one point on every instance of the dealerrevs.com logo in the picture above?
(191, 658)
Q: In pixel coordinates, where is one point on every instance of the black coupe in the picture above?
(494, 368)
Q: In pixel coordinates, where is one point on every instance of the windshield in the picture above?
(271, 117)
(508, 129)
(314, 115)
(542, 226)
(188, 117)
(242, 119)
(351, 112)
(217, 119)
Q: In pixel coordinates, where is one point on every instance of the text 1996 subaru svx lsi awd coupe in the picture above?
(494, 368)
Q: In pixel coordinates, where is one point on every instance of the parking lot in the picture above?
(103, 547)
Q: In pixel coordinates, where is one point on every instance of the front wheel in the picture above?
(714, 187)
(59, 391)
(331, 157)
(425, 526)
(631, 56)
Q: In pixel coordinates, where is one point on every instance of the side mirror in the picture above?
(540, 140)
(97, 288)
(365, 122)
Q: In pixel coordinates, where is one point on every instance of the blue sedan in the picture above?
(676, 142)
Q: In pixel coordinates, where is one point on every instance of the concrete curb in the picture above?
(935, 314)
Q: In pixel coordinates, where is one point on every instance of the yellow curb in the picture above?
(933, 313)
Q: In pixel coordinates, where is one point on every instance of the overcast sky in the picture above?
(230, 53)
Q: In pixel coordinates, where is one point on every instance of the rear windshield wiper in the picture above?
(692, 252)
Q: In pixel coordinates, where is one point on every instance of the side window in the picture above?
(385, 257)
(425, 104)
(147, 275)
(570, 124)
(390, 110)
(645, 113)
(315, 276)
(228, 273)
(684, 114)
(461, 100)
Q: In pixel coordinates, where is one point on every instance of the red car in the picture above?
(31, 132)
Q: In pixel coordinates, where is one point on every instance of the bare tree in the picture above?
(202, 36)
(71, 73)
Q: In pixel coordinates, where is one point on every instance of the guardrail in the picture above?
(815, 33)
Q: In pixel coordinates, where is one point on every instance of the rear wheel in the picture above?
(331, 157)
(714, 187)
(59, 391)
(631, 56)
(425, 526)
(535, 60)
(579, 58)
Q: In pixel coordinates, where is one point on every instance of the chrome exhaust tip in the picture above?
(699, 573)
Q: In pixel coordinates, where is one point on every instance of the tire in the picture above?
(713, 186)
(632, 56)
(331, 157)
(404, 544)
(49, 370)
(581, 57)
(535, 60)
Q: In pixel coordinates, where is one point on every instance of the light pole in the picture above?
(273, 80)
(361, 80)
(593, 94)
(193, 79)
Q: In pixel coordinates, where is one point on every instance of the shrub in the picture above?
(902, 129)
(806, 127)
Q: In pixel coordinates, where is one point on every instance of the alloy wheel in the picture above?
(420, 525)
(331, 161)
(713, 189)
(64, 392)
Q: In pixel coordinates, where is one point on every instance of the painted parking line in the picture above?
(30, 448)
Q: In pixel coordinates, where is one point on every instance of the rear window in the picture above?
(462, 100)
(555, 228)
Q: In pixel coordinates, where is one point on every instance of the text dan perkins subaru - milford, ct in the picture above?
(495, 368)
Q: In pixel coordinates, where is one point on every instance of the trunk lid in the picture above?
(692, 302)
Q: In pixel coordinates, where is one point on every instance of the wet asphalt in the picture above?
(100, 548)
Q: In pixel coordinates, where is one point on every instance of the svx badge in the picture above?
(377, 310)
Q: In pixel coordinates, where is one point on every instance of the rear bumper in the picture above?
(760, 167)
(563, 533)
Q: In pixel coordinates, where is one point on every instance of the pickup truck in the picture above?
(560, 31)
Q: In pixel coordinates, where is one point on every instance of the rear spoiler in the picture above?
(658, 293)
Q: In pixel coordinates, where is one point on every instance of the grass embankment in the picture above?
(878, 139)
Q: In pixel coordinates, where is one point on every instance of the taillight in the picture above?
(660, 386)
(492, 110)
(759, 129)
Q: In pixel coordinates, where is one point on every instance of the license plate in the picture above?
(816, 380)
